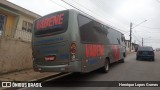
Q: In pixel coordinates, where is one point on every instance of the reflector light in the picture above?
(73, 48)
(73, 51)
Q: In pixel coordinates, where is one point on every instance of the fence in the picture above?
(23, 35)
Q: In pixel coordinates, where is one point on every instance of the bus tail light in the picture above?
(73, 50)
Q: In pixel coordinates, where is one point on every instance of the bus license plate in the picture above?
(50, 58)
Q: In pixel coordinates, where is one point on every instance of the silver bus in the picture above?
(70, 41)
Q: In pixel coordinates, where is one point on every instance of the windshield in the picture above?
(145, 49)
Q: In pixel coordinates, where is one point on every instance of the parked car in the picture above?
(145, 52)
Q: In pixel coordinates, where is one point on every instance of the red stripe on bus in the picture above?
(116, 52)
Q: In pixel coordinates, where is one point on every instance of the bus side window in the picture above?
(119, 41)
(122, 37)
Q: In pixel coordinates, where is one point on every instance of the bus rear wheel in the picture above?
(122, 60)
(105, 68)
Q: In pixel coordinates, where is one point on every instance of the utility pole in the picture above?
(142, 41)
(131, 31)
(130, 36)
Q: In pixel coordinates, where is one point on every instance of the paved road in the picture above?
(131, 70)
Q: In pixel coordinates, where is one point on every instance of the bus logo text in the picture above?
(94, 50)
(50, 21)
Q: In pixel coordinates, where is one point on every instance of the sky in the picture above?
(144, 14)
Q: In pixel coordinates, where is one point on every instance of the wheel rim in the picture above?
(107, 66)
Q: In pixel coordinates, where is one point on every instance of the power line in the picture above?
(139, 24)
(76, 8)
(58, 4)
(149, 27)
(89, 9)
(87, 13)
(127, 32)
(95, 13)
(136, 37)
(154, 39)
(104, 17)
(136, 33)
(148, 32)
(152, 42)
(124, 19)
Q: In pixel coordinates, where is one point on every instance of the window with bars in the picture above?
(27, 26)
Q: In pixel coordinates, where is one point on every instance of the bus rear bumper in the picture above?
(71, 67)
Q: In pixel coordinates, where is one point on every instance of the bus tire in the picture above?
(121, 61)
(137, 58)
(105, 68)
(153, 58)
(124, 54)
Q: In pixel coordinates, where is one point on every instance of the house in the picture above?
(134, 46)
(16, 21)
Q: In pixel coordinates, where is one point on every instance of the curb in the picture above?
(15, 71)
(128, 53)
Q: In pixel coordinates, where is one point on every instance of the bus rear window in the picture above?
(51, 24)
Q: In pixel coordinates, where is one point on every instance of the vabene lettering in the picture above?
(50, 21)
(94, 50)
